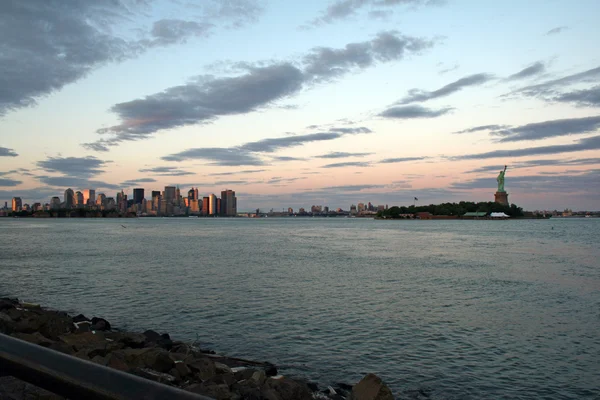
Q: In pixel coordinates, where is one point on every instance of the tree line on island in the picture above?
(452, 209)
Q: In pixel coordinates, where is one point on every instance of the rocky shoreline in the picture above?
(158, 357)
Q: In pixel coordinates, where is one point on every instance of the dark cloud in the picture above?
(585, 182)
(9, 182)
(347, 164)
(206, 98)
(482, 128)
(352, 188)
(414, 111)
(137, 182)
(49, 44)
(273, 144)
(538, 163)
(359, 129)
(552, 87)
(341, 9)
(585, 97)
(548, 129)
(401, 160)
(41, 194)
(5, 152)
(75, 182)
(247, 171)
(238, 182)
(342, 154)
(278, 179)
(324, 63)
(418, 95)
(166, 171)
(590, 143)
(219, 155)
(534, 69)
(287, 158)
(557, 30)
(73, 166)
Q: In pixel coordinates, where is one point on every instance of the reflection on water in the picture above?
(458, 309)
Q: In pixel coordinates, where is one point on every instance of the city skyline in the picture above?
(328, 103)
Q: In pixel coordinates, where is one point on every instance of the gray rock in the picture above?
(35, 338)
(203, 367)
(371, 387)
(287, 389)
(218, 392)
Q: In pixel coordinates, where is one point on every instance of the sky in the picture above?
(292, 104)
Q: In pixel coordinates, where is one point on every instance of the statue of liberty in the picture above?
(500, 180)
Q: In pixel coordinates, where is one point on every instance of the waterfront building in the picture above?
(228, 203)
(37, 207)
(218, 209)
(212, 204)
(55, 203)
(89, 197)
(177, 196)
(101, 200)
(138, 195)
(169, 194)
(326, 210)
(122, 201)
(79, 199)
(17, 204)
(353, 210)
(69, 198)
(301, 211)
(155, 193)
(205, 205)
(290, 210)
(110, 204)
(361, 207)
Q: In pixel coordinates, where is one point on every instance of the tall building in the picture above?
(69, 198)
(205, 205)
(89, 196)
(212, 204)
(190, 195)
(17, 204)
(79, 199)
(196, 194)
(138, 195)
(177, 196)
(101, 200)
(169, 195)
(218, 209)
(228, 203)
(155, 193)
(122, 201)
(361, 207)
(55, 203)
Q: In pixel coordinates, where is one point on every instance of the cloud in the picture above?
(219, 155)
(278, 179)
(347, 164)
(418, 95)
(548, 129)
(136, 182)
(9, 182)
(342, 9)
(287, 158)
(482, 128)
(590, 143)
(585, 97)
(166, 171)
(41, 194)
(414, 111)
(73, 166)
(586, 182)
(352, 188)
(538, 163)
(341, 154)
(449, 69)
(245, 154)
(401, 160)
(247, 171)
(534, 69)
(6, 152)
(206, 98)
(557, 30)
(238, 182)
(75, 182)
(48, 45)
(551, 87)
(324, 63)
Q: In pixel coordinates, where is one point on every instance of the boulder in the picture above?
(371, 387)
(81, 318)
(215, 391)
(84, 340)
(62, 347)
(35, 338)
(6, 304)
(151, 336)
(270, 370)
(243, 373)
(100, 324)
(128, 339)
(183, 369)
(203, 368)
(287, 389)
(117, 361)
(49, 324)
(158, 360)
(154, 375)
(165, 341)
(259, 377)
(221, 368)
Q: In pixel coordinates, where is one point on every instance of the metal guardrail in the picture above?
(74, 378)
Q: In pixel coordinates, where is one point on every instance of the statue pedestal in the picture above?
(502, 198)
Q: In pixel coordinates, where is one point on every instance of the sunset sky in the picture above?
(292, 104)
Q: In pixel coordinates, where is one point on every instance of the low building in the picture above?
(475, 215)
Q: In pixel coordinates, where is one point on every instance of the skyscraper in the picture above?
(170, 193)
(212, 204)
(228, 203)
(138, 195)
(55, 203)
(101, 200)
(218, 209)
(89, 196)
(69, 198)
(17, 204)
(79, 199)
(155, 193)
(205, 205)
